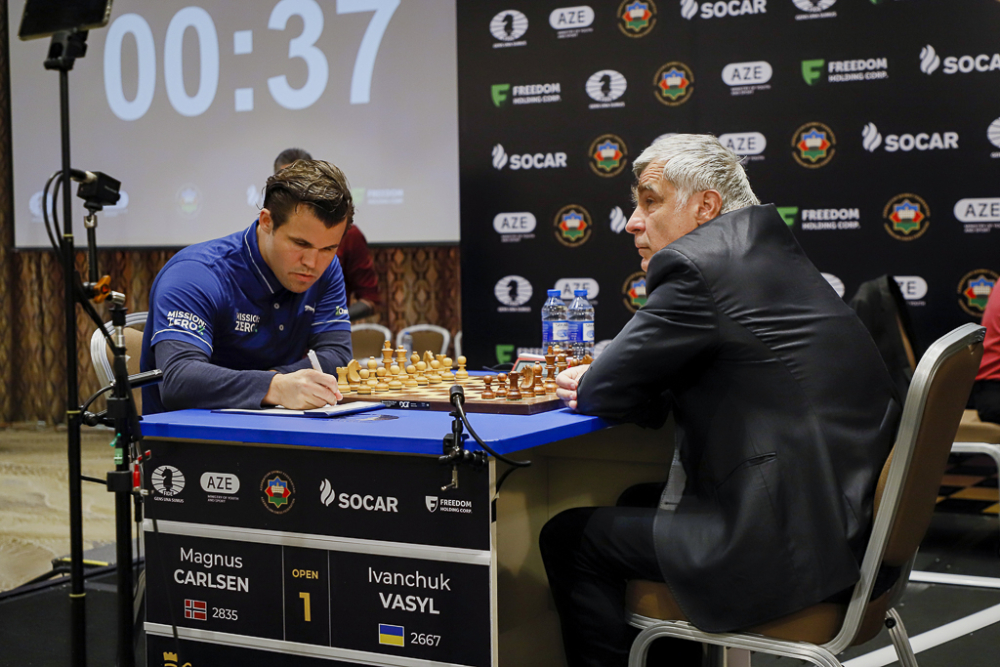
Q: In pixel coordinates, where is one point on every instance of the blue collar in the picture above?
(258, 281)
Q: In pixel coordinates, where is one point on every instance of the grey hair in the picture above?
(696, 162)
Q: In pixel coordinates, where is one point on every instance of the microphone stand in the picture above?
(64, 49)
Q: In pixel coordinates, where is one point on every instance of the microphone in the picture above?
(456, 395)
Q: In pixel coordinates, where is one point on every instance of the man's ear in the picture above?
(709, 206)
(266, 221)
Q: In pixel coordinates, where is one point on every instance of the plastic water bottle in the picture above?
(555, 328)
(581, 325)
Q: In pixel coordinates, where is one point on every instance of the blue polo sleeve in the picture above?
(331, 307)
(185, 300)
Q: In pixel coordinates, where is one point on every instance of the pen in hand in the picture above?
(314, 360)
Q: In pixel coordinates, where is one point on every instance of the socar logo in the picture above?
(688, 9)
(618, 220)
(326, 493)
(929, 60)
(872, 137)
(499, 157)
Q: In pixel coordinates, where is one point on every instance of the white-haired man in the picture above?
(784, 416)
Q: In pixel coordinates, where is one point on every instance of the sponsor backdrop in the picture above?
(873, 126)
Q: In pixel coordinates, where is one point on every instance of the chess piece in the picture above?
(514, 393)
(527, 383)
(550, 373)
(560, 363)
(421, 377)
(434, 377)
(446, 374)
(401, 357)
(488, 392)
(372, 378)
(381, 384)
(411, 377)
(364, 389)
(342, 384)
(461, 374)
(539, 380)
(414, 358)
(387, 354)
(502, 385)
(394, 383)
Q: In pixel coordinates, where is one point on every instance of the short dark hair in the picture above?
(315, 183)
(290, 155)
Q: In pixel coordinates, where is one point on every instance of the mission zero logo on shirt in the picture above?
(186, 321)
(247, 322)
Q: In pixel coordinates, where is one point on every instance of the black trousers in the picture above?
(590, 553)
(986, 399)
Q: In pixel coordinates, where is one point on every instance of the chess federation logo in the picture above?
(636, 19)
(170, 660)
(974, 291)
(508, 26)
(814, 6)
(608, 155)
(673, 84)
(606, 86)
(813, 145)
(431, 502)
(634, 291)
(513, 292)
(572, 226)
(277, 492)
(188, 200)
(196, 610)
(168, 481)
(907, 217)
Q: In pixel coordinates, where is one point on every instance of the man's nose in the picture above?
(634, 224)
(309, 257)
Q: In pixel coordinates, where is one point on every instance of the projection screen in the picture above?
(189, 105)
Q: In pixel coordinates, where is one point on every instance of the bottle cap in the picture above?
(554, 292)
(580, 292)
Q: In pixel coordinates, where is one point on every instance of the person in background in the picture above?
(784, 416)
(231, 320)
(353, 254)
(986, 390)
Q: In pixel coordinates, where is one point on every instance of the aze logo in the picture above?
(674, 84)
(572, 226)
(277, 492)
(608, 155)
(974, 291)
(813, 145)
(907, 217)
(634, 291)
(636, 19)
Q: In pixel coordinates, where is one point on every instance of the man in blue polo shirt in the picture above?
(231, 320)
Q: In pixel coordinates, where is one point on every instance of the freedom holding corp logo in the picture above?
(814, 145)
(673, 84)
(907, 217)
(635, 18)
(608, 155)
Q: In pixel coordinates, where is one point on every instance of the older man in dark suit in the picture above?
(784, 410)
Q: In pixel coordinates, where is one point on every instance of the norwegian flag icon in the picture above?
(196, 609)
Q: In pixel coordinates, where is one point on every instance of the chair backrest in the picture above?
(101, 355)
(908, 490)
(423, 337)
(458, 345)
(367, 340)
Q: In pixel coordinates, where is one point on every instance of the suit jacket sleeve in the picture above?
(657, 349)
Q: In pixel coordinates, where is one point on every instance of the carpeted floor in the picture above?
(34, 499)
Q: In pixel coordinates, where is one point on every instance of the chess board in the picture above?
(432, 391)
(435, 397)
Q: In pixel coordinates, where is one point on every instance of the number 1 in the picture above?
(364, 64)
(305, 604)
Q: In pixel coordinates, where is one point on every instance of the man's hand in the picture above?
(566, 383)
(303, 389)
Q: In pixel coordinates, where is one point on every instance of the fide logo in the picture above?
(636, 19)
(907, 217)
(508, 26)
(974, 291)
(513, 292)
(608, 155)
(277, 492)
(572, 226)
(673, 84)
(993, 134)
(634, 291)
(168, 481)
(814, 6)
(605, 87)
(814, 145)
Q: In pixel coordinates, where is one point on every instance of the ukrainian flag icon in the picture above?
(393, 635)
